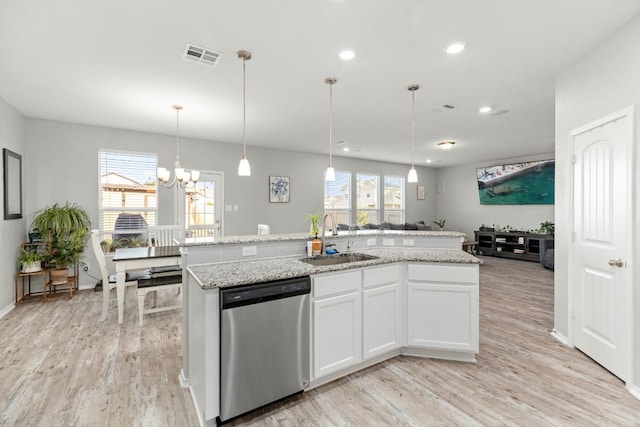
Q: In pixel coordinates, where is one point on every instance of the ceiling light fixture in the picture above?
(347, 54)
(484, 110)
(446, 145)
(413, 175)
(330, 174)
(244, 169)
(184, 179)
(455, 48)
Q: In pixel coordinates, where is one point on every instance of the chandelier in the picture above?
(183, 178)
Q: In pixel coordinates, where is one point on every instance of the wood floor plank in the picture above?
(61, 366)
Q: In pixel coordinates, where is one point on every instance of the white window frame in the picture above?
(153, 157)
(342, 215)
(376, 198)
(402, 191)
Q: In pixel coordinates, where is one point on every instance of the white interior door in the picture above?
(600, 275)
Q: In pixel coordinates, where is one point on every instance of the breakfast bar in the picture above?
(378, 299)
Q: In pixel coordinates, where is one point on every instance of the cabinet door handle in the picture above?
(616, 263)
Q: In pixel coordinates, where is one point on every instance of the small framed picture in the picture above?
(279, 189)
(420, 192)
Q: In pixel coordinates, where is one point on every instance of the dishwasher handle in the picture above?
(263, 292)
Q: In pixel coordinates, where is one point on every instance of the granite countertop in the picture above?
(264, 238)
(226, 274)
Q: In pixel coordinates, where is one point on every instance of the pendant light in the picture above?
(184, 179)
(244, 169)
(413, 175)
(330, 174)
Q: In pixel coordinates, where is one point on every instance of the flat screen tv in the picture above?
(524, 183)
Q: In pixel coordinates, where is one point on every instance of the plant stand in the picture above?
(21, 278)
(70, 284)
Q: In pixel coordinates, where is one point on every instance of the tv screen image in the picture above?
(524, 183)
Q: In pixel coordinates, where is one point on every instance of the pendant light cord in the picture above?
(413, 89)
(244, 106)
(331, 124)
(178, 108)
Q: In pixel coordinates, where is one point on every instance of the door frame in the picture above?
(628, 112)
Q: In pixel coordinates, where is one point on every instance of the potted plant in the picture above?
(315, 220)
(547, 227)
(64, 230)
(440, 223)
(30, 261)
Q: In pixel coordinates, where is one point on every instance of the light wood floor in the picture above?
(61, 366)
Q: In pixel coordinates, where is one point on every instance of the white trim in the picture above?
(560, 337)
(634, 390)
(7, 310)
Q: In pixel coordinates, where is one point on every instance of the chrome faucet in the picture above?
(334, 230)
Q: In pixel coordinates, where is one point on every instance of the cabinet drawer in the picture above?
(447, 273)
(334, 284)
(381, 275)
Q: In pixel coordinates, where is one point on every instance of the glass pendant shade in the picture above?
(413, 175)
(330, 174)
(244, 169)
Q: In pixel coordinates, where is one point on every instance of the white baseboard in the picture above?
(560, 337)
(7, 310)
(634, 390)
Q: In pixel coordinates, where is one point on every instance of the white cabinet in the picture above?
(337, 322)
(443, 307)
(382, 319)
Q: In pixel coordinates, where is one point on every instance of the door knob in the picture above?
(616, 263)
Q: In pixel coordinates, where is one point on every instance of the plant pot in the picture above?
(31, 267)
(59, 277)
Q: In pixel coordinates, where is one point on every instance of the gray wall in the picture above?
(604, 81)
(457, 201)
(63, 166)
(12, 232)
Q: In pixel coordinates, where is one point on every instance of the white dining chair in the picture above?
(202, 230)
(109, 281)
(165, 235)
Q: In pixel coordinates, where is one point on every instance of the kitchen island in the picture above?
(415, 300)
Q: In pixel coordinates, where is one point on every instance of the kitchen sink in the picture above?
(338, 259)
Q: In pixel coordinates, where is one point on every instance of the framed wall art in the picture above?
(12, 163)
(421, 192)
(279, 189)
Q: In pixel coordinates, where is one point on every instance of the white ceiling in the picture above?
(119, 64)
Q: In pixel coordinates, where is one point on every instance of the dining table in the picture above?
(142, 258)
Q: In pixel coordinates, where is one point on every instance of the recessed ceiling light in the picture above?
(347, 54)
(454, 48)
(446, 145)
(428, 161)
(484, 110)
(345, 149)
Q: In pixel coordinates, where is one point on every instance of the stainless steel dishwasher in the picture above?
(264, 344)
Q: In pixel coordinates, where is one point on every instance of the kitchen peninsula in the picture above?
(418, 296)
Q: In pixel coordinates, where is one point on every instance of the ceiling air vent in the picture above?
(201, 55)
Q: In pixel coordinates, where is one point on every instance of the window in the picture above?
(367, 201)
(394, 199)
(128, 190)
(336, 197)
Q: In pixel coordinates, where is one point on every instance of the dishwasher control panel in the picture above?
(262, 292)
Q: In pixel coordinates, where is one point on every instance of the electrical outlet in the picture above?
(249, 250)
(408, 242)
(371, 242)
(85, 265)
